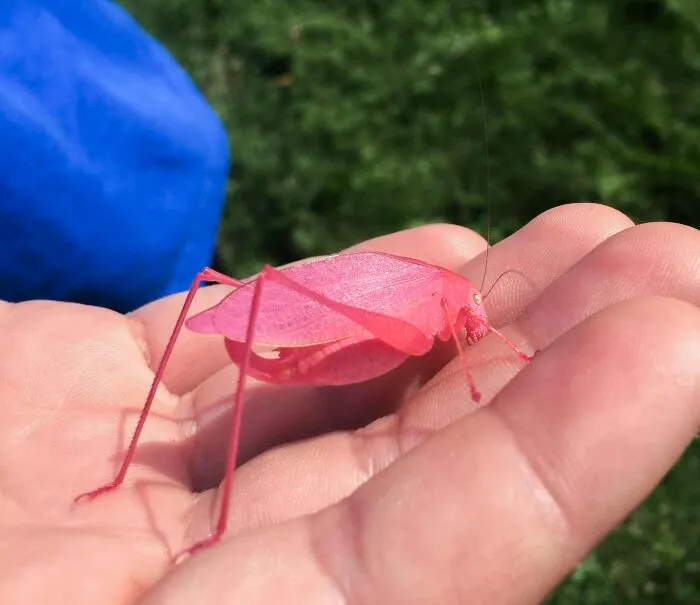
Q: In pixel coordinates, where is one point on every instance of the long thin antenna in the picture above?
(484, 115)
(493, 285)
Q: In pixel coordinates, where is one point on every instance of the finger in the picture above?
(540, 252)
(651, 259)
(654, 258)
(441, 244)
(276, 415)
(500, 506)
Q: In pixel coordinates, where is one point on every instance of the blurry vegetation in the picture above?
(352, 119)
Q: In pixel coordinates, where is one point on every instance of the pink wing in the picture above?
(383, 283)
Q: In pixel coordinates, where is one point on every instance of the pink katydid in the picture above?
(333, 320)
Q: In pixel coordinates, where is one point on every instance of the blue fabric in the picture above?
(112, 165)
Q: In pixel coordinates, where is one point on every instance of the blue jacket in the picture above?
(112, 165)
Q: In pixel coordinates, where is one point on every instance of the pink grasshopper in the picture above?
(333, 320)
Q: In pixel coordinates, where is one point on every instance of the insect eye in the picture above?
(477, 298)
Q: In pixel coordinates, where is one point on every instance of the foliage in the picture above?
(351, 119)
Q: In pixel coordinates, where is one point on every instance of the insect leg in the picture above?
(236, 417)
(208, 275)
(522, 354)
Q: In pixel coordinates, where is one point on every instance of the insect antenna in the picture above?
(493, 285)
(488, 169)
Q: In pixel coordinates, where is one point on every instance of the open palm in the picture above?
(398, 490)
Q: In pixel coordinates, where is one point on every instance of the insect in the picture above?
(333, 320)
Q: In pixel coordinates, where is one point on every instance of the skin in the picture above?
(394, 491)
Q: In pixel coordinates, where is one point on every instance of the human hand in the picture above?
(394, 491)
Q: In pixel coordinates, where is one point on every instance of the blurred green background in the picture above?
(352, 119)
